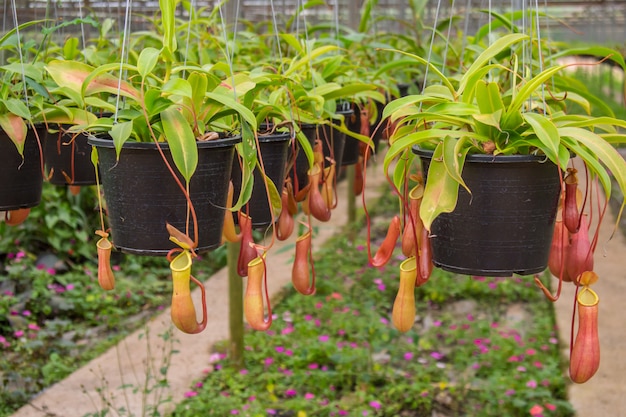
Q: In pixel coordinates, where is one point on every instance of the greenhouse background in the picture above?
(584, 21)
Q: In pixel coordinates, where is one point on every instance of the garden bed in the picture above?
(480, 346)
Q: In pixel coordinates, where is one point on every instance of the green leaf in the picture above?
(454, 153)
(483, 59)
(181, 141)
(15, 128)
(527, 90)
(17, 107)
(120, 133)
(28, 70)
(488, 97)
(229, 102)
(441, 191)
(299, 63)
(547, 133)
(606, 153)
(147, 61)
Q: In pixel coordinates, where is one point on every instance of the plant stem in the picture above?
(235, 314)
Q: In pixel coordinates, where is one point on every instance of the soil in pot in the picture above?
(273, 149)
(22, 179)
(505, 227)
(142, 196)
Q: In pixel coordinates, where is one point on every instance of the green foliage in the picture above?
(62, 223)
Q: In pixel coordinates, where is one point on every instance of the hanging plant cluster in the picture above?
(197, 146)
(497, 191)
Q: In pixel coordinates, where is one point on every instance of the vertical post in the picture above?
(350, 173)
(235, 306)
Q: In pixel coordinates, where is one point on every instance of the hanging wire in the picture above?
(125, 36)
(230, 55)
(468, 8)
(430, 49)
(19, 49)
(445, 52)
(82, 24)
(192, 8)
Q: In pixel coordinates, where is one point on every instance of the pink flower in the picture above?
(25, 313)
(199, 384)
(69, 287)
(268, 361)
(279, 349)
(234, 411)
(521, 369)
(309, 396)
(313, 366)
(530, 352)
(437, 323)
(251, 398)
(509, 392)
(408, 356)
(536, 410)
(343, 413)
(308, 317)
(531, 384)
(289, 352)
(436, 355)
(550, 407)
(190, 394)
(243, 372)
(538, 364)
(375, 404)
(323, 338)
(18, 333)
(33, 326)
(319, 305)
(291, 393)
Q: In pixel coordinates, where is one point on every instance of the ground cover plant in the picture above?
(53, 315)
(479, 347)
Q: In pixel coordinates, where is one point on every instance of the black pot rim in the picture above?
(216, 143)
(484, 158)
(274, 137)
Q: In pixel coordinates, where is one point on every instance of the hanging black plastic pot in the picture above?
(351, 149)
(68, 158)
(21, 179)
(142, 196)
(505, 227)
(334, 140)
(273, 149)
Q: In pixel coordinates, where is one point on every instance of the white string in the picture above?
(82, 25)
(192, 8)
(445, 52)
(468, 8)
(275, 23)
(430, 49)
(125, 35)
(540, 55)
(230, 55)
(19, 49)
